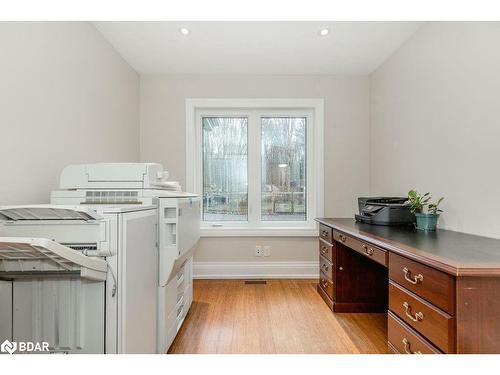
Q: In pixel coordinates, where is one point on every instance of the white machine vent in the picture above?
(44, 212)
(81, 246)
(111, 197)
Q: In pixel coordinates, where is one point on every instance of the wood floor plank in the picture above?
(282, 316)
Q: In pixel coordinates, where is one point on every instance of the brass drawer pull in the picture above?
(368, 250)
(324, 266)
(324, 249)
(342, 238)
(324, 233)
(406, 343)
(418, 316)
(415, 280)
(324, 283)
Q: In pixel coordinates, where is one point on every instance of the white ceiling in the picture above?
(256, 47)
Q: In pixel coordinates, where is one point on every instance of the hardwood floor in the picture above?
(284, 316)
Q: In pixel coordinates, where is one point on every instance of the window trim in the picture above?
(315, 197)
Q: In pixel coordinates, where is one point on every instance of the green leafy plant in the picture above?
(417, 202)
(434, 207)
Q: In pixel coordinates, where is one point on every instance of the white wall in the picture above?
(346, 143)
(435, 122)
(65, 97)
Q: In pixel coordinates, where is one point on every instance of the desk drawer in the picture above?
(437, 326)
(404, 340)
(432, 285)
(370, 251)
(326, 267)
(326, 250)
(325, 233)
(327, 285)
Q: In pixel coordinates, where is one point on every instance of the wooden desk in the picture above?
(441, 289)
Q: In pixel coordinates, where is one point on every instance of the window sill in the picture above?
(258, 232)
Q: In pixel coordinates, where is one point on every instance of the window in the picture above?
(257, 165)
(284, 152)
(225, 177)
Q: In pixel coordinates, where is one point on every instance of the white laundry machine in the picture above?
(80, 279)
(178, 220)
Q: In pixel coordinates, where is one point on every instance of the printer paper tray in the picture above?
(40, 256)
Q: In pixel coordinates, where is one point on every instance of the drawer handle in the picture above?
(324, 267)
(324, 283)
(368, 250)
(324, 249)
(342, 238)
(415, 280)
(324, 233)
(407, 344)
(418, 316)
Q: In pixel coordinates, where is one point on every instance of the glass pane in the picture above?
(225, 184)
(283, 192)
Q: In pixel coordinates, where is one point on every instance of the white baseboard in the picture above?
(256, 270)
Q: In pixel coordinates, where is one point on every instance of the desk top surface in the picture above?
(456, 253)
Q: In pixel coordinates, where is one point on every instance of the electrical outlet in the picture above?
(258, 251)
(267, 251)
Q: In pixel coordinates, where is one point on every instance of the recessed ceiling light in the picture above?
(184, 31)
(282, 165)
(324, 31)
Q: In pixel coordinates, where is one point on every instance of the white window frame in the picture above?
(254, 109)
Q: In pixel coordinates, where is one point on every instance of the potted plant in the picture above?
(426, 213)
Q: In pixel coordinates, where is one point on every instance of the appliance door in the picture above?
(55, 295)
(179, 231)
(188, 230)
(138, 282)
(66, 312)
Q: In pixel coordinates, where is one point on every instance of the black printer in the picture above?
(384, 211)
